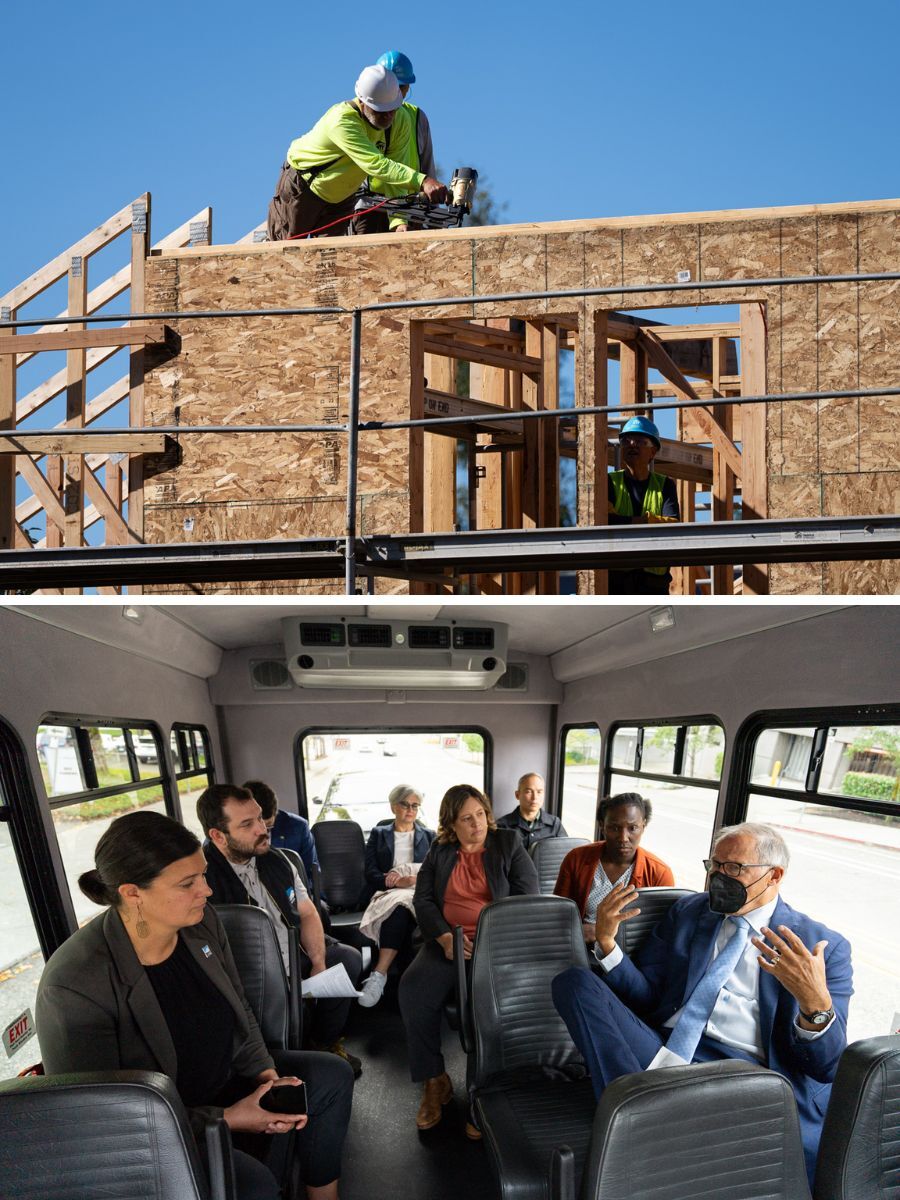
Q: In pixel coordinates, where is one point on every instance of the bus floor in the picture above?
(385, 1155)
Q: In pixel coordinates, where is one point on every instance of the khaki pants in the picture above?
(294, 210)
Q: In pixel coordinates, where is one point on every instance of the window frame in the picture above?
(681, 724)
(86, 759)
(564, 730)
(186, 727)
(819, 719)
(330, 730)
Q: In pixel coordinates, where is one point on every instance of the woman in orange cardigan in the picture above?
(588, 872)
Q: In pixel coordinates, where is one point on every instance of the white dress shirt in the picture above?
(403, 847)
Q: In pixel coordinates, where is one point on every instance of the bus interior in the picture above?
(785, 713)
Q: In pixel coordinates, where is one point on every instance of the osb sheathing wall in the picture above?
(830, 458)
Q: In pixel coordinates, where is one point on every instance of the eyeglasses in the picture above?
(406, 804)
(635, 439)
(731, 868)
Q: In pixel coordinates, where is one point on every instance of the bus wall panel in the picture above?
(296, 369)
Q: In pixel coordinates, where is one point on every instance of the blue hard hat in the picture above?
(397, 62)
(641, 425)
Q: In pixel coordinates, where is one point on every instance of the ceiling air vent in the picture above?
(370, 635)
(514, 679)
(270, 674)
(429, 637)
(473, 638)
(321, 634)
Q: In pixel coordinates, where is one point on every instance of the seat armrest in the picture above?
(562, 1174)
(222, 1184)
(466, 1039)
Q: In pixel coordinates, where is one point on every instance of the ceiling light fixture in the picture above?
(662, 618)
(132, 612)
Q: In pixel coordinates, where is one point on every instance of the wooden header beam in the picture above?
(147, 334)
(85, 443)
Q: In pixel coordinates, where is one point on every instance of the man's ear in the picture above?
(777, 874)
(218, 839)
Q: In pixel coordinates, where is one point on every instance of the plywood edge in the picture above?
(478, 232)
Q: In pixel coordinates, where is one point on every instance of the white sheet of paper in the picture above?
(665, 1058)
(331, 984)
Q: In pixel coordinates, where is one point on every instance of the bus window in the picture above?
(834, 794)
(189, 745)
(94, 773)
(579, 779)
(21, 962)
(677, 767)
(348, 774)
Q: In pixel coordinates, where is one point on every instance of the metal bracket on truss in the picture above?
(199, 233)
(139, 216)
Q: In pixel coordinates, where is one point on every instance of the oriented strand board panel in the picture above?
(834, 456)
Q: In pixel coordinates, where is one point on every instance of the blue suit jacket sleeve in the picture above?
(375, 854)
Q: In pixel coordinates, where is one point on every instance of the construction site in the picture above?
(437, 412)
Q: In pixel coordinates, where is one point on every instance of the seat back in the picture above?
(121, 1135)
(341, 848)
(654, 903)
(859, 1153)
(723, 1130)
(522, 943)
(547, 855)
(257, 955)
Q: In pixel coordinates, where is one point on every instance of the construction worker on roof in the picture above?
(326, 166)
(410, 144)
(637, 496)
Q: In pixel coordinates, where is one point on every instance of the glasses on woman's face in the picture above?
(408, 806)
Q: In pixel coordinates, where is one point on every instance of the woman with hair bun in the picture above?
(151, 985)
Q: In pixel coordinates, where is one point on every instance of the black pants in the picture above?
(397, 930)
(638, 583)
(295, 210)
(329, 1095)
(425, 988)
(330, 1016)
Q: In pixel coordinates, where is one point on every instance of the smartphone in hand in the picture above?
(285, 1098)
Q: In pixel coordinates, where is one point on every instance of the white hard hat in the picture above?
(378, 89)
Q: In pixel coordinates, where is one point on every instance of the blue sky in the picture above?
(572, 110)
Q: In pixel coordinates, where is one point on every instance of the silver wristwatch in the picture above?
(818, 1018)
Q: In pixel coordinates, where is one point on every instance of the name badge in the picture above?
(291, 894)
(206, 950)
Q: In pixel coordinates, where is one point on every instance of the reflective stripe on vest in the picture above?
(653, 502)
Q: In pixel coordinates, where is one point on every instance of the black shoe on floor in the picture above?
(341, 1051)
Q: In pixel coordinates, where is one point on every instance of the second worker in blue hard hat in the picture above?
(411, 145)
(638, 495)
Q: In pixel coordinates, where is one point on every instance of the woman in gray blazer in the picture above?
(151, 985)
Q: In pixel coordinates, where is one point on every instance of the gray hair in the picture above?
(529, 775)
(403, 791)
(770, 845)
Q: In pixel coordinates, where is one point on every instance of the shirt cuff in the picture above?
(810, 1035)
(611, 960)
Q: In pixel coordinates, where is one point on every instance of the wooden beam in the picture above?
(548, 581)
(478, 334)
(444, 404)
(600, 399)
(73, 494)
(109, 512)
(532, 397)
(50, 502)
(659, 358)
(8, 466)
(140, 249)
(91, 443)
(723, 483)
(510, 361)
(148, 333)
(440, 452)
(495, 392)
(754, 482)
(416, 436)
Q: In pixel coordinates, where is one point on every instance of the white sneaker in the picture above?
(372, 990)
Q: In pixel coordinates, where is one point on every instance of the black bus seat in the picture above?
(272, 995)
(341, 848)
(547, 855)
(654, 903)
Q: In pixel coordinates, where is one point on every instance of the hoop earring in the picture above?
(142, 929)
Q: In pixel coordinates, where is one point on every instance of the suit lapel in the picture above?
(770, 990)
(141, 998)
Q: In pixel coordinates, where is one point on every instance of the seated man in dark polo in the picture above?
(244, 868)
(732, 972)
(529, 820)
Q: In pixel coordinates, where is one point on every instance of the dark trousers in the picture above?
(372, 222)
(330, 1016)
(296, 210)
(259, 1159)
(614, 1041)
(638, 583)
(397, 930)
(426, 986)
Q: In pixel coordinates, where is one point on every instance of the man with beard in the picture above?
(244, 868)
(640, 496)
(727, 973)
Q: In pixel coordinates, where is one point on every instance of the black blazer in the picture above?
(380, 852)
(96, 1009)
(509, 872)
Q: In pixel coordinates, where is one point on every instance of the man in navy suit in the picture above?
(783, 1003)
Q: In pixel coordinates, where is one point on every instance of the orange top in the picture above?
(467, 891)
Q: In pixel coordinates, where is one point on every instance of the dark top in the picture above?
(293, 831)
(201, 1022)
(507, 867)
(380, 852)
(636, 489)
(544, 825)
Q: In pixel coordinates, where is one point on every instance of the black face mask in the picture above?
(728, 895)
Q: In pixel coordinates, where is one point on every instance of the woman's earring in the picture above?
(142, 929)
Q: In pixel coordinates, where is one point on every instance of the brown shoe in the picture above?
(436, 1093)
(473, 1133)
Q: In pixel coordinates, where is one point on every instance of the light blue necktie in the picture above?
(688, 1030)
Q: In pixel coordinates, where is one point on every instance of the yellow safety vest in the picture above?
(653, 502)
